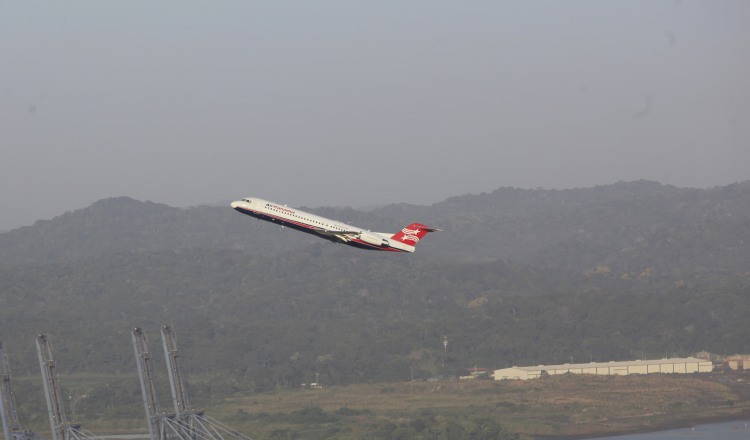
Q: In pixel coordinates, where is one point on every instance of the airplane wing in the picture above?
(344, 236)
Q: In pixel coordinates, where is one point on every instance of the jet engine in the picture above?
(373, 239)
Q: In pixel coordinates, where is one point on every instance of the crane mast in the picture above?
(146, 375)
(7, 411)
(62, 429)
(3, 414)
(179, 391)
(57, 418)
(7, 405)
(184, 415)
(11, 427)
(184, 423)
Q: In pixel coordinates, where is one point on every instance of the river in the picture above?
(714, 431)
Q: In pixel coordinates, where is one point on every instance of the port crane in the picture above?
(11, 426)
(184, 423)
(62, 429)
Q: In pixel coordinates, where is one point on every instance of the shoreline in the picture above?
(667, 426)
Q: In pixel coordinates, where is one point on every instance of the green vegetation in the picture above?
(562, 405)
(624, 271)
(350, 321)
(554, 406)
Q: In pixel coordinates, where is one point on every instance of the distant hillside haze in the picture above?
(516, 277)
(624, 227)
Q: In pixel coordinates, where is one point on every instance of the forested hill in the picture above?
(624, 228)
(516, 277)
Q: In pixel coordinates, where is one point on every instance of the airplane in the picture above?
(403, 241)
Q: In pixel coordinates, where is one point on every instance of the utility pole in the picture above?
(445, 349)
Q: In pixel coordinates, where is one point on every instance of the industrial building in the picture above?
(738, 362)
(673, 365)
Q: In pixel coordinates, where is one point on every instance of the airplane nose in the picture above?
(235, 205)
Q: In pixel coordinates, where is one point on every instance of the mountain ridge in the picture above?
(516, 277)
(626, 226)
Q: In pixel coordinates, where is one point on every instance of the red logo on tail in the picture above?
(412, 233)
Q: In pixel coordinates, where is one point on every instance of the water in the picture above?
(715, 431)
(124, 436)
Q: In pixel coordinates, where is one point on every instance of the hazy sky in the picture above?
(362, 103)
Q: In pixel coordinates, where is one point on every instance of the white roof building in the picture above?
(673, 365)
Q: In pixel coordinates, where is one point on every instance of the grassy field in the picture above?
(552, 406)
(555, 406)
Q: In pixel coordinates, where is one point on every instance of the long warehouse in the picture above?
(673, 365)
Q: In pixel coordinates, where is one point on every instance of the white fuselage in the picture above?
(332, 230)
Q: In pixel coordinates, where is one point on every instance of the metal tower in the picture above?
(179, 392)
(61, 428)
(184, 423)
(189, 420)
(11, 427)
(146, 375)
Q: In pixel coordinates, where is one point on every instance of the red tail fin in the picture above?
(412, 233)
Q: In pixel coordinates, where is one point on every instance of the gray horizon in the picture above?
(339, 104)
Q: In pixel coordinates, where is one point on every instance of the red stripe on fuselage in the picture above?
(311, 229)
